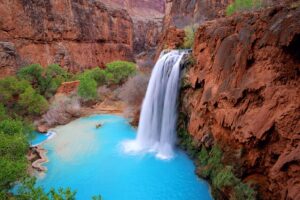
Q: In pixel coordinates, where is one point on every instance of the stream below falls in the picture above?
(92, 161)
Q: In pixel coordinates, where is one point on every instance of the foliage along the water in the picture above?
(210, 166)
(20, 100)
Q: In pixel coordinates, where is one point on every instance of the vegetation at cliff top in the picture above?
(189, 36)
(241, 5)
(210, 166)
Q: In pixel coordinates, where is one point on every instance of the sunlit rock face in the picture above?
(75, 34)
(244, 92)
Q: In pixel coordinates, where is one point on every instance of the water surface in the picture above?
(91, 161)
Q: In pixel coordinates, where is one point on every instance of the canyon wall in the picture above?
(75, 34)
(180, 13)
(243, 93)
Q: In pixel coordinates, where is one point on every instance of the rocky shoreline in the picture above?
(37, 157)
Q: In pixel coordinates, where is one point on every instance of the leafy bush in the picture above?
(117, 72)
(224, 178)
(20, 97)
(13, 148)
(10, 88)
(34, 74)
(2, 112)
(28, 190)
(99, 75)
(44, 80)
(32, 102)
(133, 91)
(11, 127)
(240, 5)
(54, 76)
(203, 156)
(87, 88)
(189, 36)
(243, 191)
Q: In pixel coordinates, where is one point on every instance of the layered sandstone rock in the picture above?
(75, 34)
(244, 91)
(180, 13)
(66, 88)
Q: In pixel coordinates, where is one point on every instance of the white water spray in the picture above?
(157, 127)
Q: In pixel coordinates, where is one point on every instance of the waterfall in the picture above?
(157, 126)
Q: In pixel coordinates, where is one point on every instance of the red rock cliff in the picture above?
(75, 34)
(244, 92)
(180, 13)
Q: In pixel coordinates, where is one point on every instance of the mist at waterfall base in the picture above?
(92, 161)
(157, 126)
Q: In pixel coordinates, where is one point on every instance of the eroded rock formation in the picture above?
(244, 91)
(180, 13)
(75, 34)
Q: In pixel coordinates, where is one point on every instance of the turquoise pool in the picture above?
(39, 138)
(91, 161)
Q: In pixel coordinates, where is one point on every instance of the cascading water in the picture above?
(157, 127)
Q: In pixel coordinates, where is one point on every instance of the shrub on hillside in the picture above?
(54, 76)
(119, 71)
(134, 90)
(32, 103)
(13, 148)
(99, 75)
(19, 97)
(87, 88)
(241, 5)
(44, 80)
(10, 88)
(11, 127)
(2, 112)
(34, 74)
(189, 36)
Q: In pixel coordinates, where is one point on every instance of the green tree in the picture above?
(34, 74)
(13, 162)
(28, 191)
(87, 88)
(11, 127)
(10, 88)
(189, 38)
(2, 112)
(99, 75)
(54, 76)
(32, 102)
(119, 71)
(44, 80)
